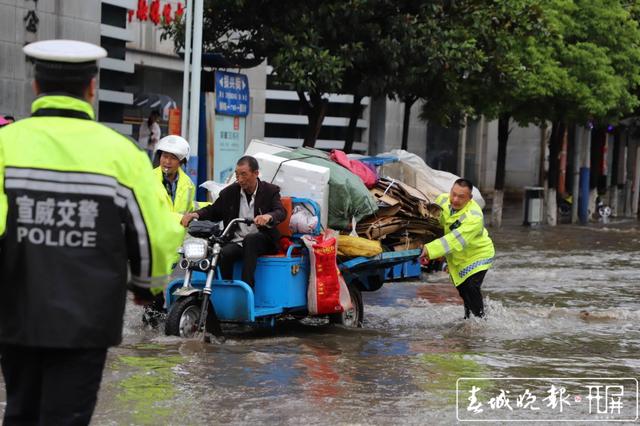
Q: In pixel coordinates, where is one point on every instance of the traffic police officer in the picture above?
(176, 191)
(179, 190)
(78, 209)
(466, 244)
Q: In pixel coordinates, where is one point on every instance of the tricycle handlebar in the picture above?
(233, 223)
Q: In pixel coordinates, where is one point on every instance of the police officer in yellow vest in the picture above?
(173, 152)
(466, 244)
(177, 195)
(80, 218)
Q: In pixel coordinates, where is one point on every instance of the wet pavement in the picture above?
(562, 304)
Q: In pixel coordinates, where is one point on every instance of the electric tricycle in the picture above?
(200, 301)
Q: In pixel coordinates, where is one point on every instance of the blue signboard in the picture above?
(232, 93)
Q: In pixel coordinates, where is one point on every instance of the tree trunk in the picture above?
(577, 154)
(315, 108)
(550, 213)
(558, 133)
(613, 188)
(408, 103)
(562, 159)
(503, 138)
(356, 109)
(636, 183)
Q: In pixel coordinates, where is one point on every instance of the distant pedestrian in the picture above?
(466, 245)
(80, 218)
(150, 133)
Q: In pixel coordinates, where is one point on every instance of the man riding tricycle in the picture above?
(234, 273)
(202, 299)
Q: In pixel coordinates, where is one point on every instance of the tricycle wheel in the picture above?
(183, 317)
(352, 317)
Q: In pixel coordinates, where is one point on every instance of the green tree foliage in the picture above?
(532, 60)
(312, 46)
(360, 47)
(599, 58)
(439, 53)
(541, 60)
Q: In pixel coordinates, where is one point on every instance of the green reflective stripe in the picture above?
(462, 217)
(459, 237)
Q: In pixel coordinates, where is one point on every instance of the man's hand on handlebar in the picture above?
(262, 220)
(188, 217)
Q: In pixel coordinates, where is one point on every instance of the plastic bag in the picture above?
(303, 221)
(327, 292)
(367, 176)
(214, 188)
(358, 246)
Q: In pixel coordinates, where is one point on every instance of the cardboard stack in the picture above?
(405, 219)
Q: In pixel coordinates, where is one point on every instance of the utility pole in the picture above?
(190, 119)
(462, 147)
(194, 104)
(575, 192)
(187, 68)
(585, 176)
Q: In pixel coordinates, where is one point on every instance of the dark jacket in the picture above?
(227, 206)
(78, 206)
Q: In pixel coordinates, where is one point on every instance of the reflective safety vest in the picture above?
(466, 244)
(78, 209)
(185, 193)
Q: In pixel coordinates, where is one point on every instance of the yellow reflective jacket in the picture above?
(185, 193)
(78, 208)
(466, 244)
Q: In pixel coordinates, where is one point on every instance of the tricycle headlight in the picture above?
(194, 249)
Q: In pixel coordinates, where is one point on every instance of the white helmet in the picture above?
(176, 145)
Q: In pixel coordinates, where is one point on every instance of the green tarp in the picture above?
(347, 194)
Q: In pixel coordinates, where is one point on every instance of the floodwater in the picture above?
(562, 305)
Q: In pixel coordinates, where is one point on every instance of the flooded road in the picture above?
(562, 303)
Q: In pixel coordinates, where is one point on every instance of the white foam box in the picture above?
(256, 146)
(297, 179)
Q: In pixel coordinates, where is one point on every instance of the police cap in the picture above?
(64, 60)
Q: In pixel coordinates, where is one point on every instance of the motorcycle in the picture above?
(194, 313)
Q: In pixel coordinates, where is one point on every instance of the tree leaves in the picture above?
(534, 59)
